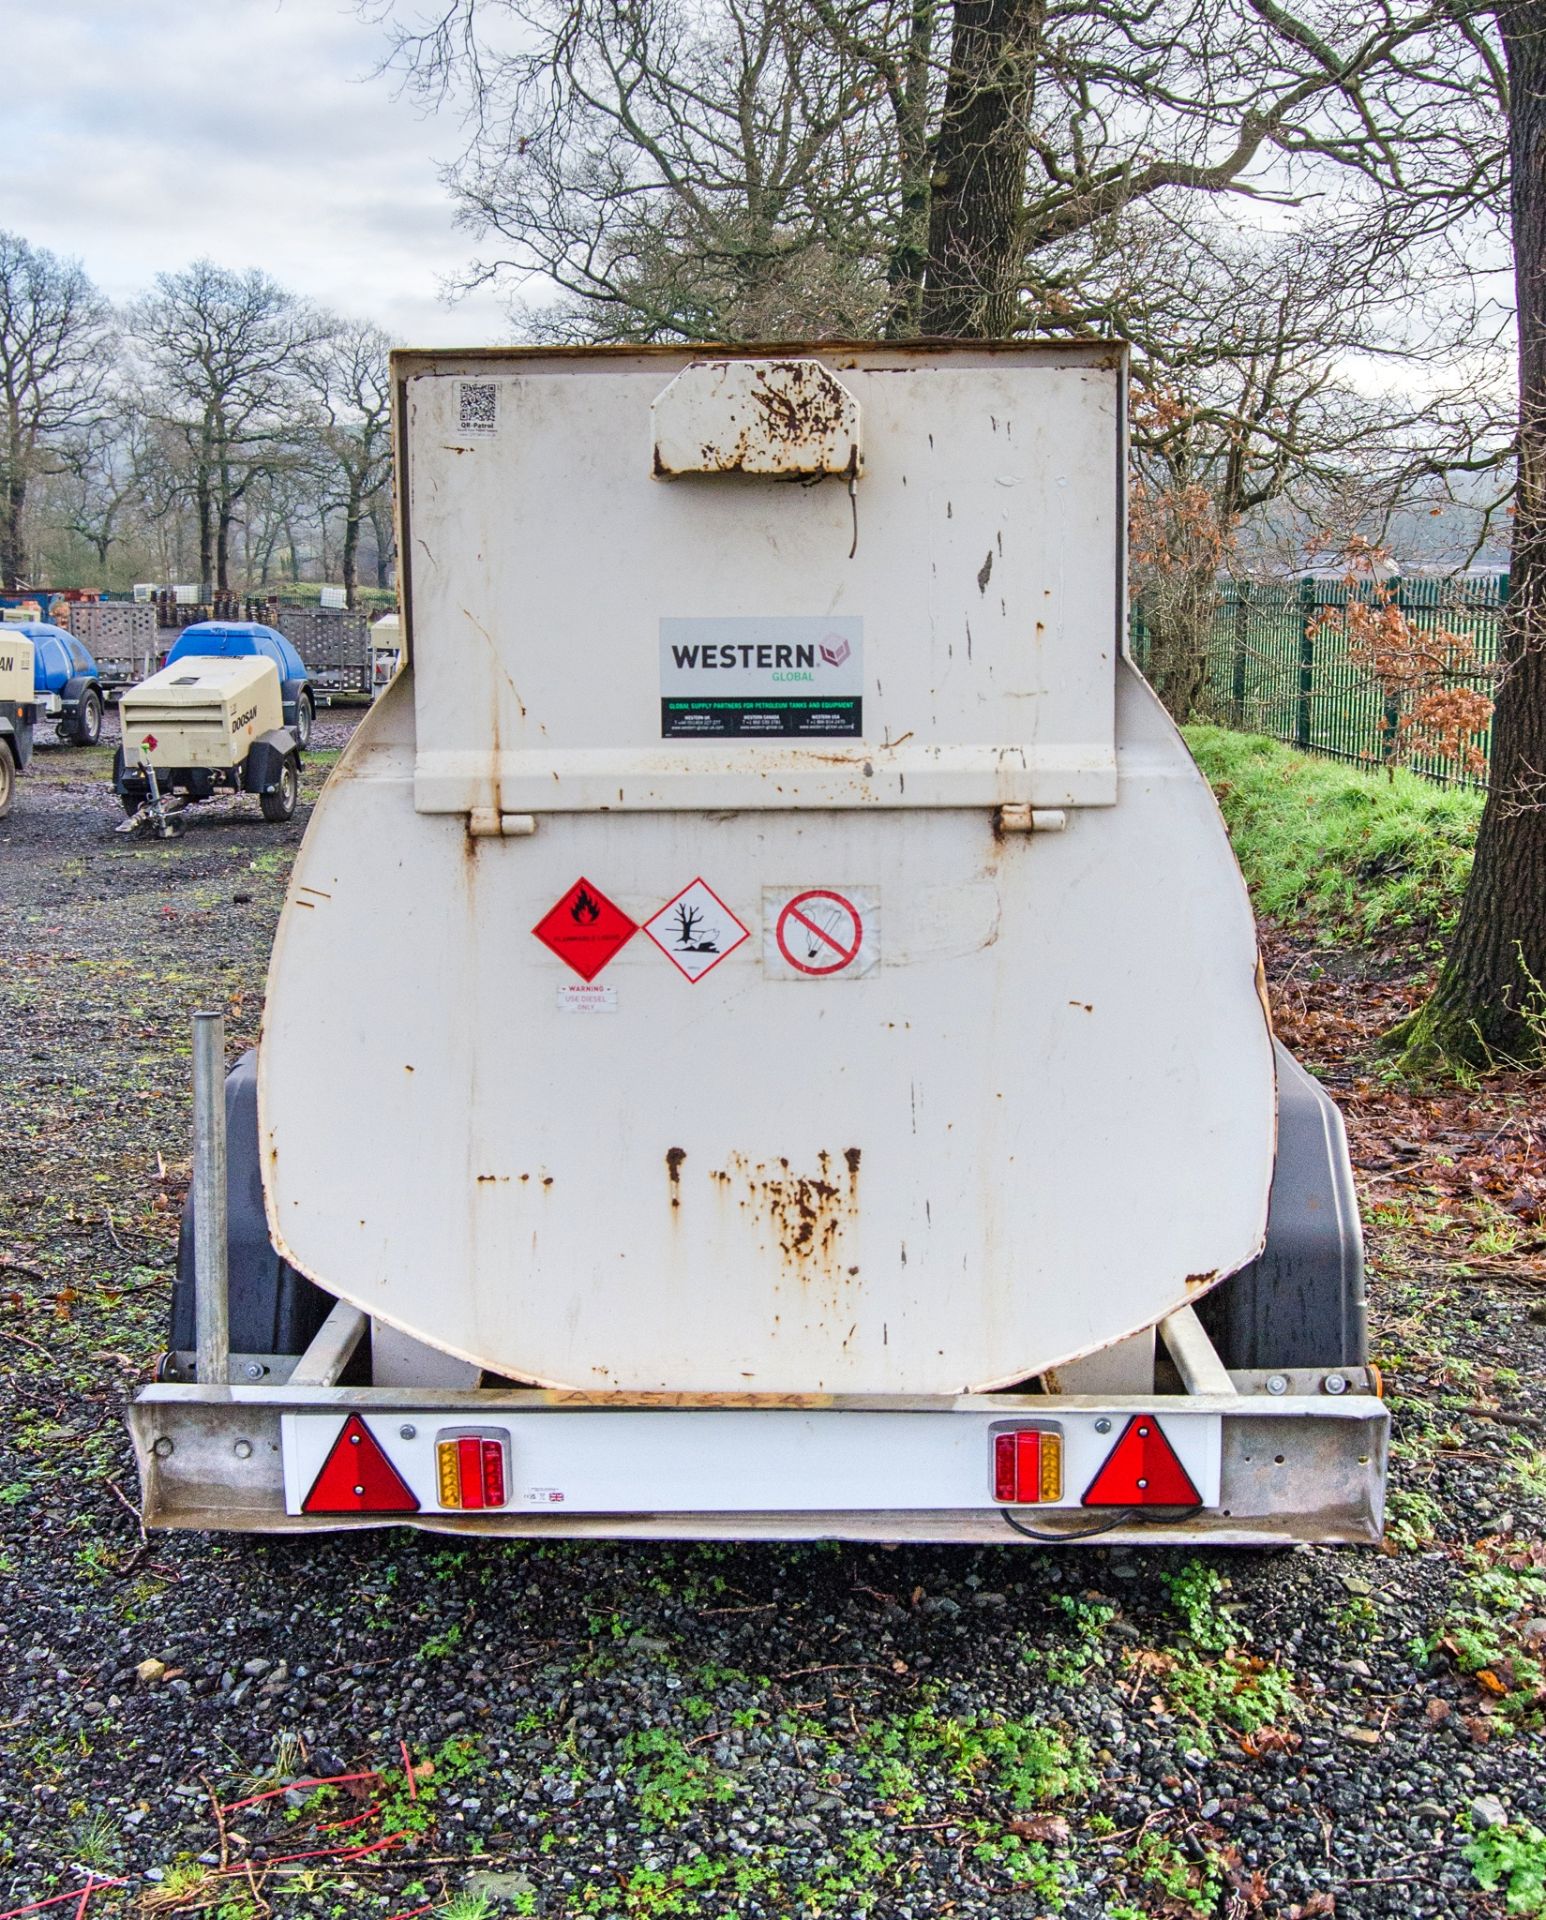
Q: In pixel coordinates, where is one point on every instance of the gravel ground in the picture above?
(717, 1730)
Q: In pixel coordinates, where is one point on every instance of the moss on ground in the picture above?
(1357, 855)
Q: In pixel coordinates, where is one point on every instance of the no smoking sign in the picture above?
(820, 933)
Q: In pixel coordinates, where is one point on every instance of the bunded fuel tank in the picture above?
(815, 962)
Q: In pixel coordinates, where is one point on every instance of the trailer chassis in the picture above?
(230, 1441)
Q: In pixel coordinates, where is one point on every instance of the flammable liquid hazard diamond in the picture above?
(585, 929)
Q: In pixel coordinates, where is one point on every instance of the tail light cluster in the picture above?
(1027, 1465)
(472, 1467)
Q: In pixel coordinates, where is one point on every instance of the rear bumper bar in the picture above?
(1293, 1464)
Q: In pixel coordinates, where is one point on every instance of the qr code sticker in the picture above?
(480, 406)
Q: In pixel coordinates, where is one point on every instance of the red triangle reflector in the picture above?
(1142, 1470)
(357, 1477)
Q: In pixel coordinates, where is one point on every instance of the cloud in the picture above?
(250, 131)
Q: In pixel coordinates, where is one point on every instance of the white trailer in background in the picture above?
(823, 1085)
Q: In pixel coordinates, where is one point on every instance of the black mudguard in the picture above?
(273, 1308)
(74, 690)
(1301, 1302)
(265, 760)
(17, 736)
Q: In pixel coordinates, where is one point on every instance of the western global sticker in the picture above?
(762, 677)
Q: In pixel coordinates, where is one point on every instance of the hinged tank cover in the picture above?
(757, 1057)
(944, 631)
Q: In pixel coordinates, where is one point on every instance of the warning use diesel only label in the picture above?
(759, 678)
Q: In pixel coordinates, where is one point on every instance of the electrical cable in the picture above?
(1137, 1516)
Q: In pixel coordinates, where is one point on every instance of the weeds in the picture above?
(1528, 1472)
(438, 1645)
(670, 1781)
(1412, 1518)
(1358, 1618)
(1034, 1765)
(466, 1906)
(1504, 1592)
(1512, 1860)
(1193, 1592)
(1243, 1691)
(93, 1840)
(1188, 1886)
(1067, 1666)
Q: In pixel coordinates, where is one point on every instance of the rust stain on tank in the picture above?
(809, 403)
(674, 1158)
(808, 1214)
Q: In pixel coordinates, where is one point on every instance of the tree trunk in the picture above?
(13, 497)
(351, 560)
(1490, 1002)
(909, 255)
(1180, 628)
(977, 207)
(223, 548)
(206, 536)
(381, 526)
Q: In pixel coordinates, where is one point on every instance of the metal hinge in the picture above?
(1019, 818)
(488, 823)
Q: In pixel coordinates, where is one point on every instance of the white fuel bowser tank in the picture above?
(817, 964)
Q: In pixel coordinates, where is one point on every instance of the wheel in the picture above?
(88, 719)
(7, 779)
(131, 804)
(279, 803)
(305, 718)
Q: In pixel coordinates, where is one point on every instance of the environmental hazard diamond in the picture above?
(695, 930)
(585, 929)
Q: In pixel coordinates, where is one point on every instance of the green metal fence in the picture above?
(1274, 667)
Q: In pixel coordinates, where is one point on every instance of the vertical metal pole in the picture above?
(1307, 612)
(211, 1297)
(1237, 684)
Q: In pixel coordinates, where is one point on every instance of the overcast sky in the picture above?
(142, 134)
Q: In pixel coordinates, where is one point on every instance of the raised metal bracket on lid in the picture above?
(781, 417)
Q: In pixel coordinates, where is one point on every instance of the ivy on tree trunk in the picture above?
(977, 208)
(1490, 1002)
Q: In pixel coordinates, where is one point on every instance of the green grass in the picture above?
(1356, 855)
